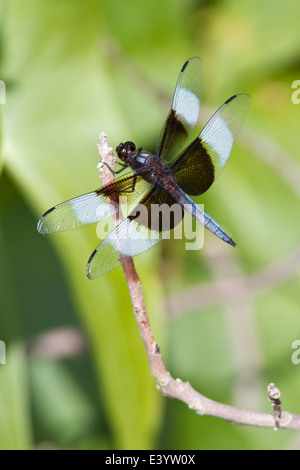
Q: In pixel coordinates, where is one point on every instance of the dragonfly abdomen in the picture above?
(197, 212)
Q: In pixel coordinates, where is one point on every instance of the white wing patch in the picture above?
(97, 210)
(75, 213)
(187, 105)
(128, 239)
(219, 138)
(221, 131)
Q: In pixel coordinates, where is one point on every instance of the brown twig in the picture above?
(274, 395)
(170, 387)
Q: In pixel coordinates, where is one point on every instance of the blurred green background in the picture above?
(76, 374)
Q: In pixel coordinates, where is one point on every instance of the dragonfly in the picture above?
(186, 163)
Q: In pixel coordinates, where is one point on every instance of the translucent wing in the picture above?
(183, 115)
(143, 229)
(196, 168)
(128, 239)
(221, 131)
(93, 207)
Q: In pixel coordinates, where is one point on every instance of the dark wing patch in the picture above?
(158, 212)
(194, 170)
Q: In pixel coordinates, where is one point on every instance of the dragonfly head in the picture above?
(124, 149)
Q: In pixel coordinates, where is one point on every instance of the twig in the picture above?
(170, 387)
(108, 159)
(274, 395)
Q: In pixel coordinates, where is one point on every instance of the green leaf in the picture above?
(76, 69)
(15, 429)
(62, 98)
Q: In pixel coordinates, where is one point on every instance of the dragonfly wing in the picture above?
(93, 207)
(127, 239)
(196, 168)
(221, 131)
(147, 224)
(184, 113)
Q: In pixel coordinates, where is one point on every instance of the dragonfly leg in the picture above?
(131, 190)
(113, 171)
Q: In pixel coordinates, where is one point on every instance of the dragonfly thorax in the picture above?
(149, 166)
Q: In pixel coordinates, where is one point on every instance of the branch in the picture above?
(175, 388)
(274, 395)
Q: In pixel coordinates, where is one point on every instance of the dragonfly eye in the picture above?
(130, 146)
(122, 152)
(124, 149)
